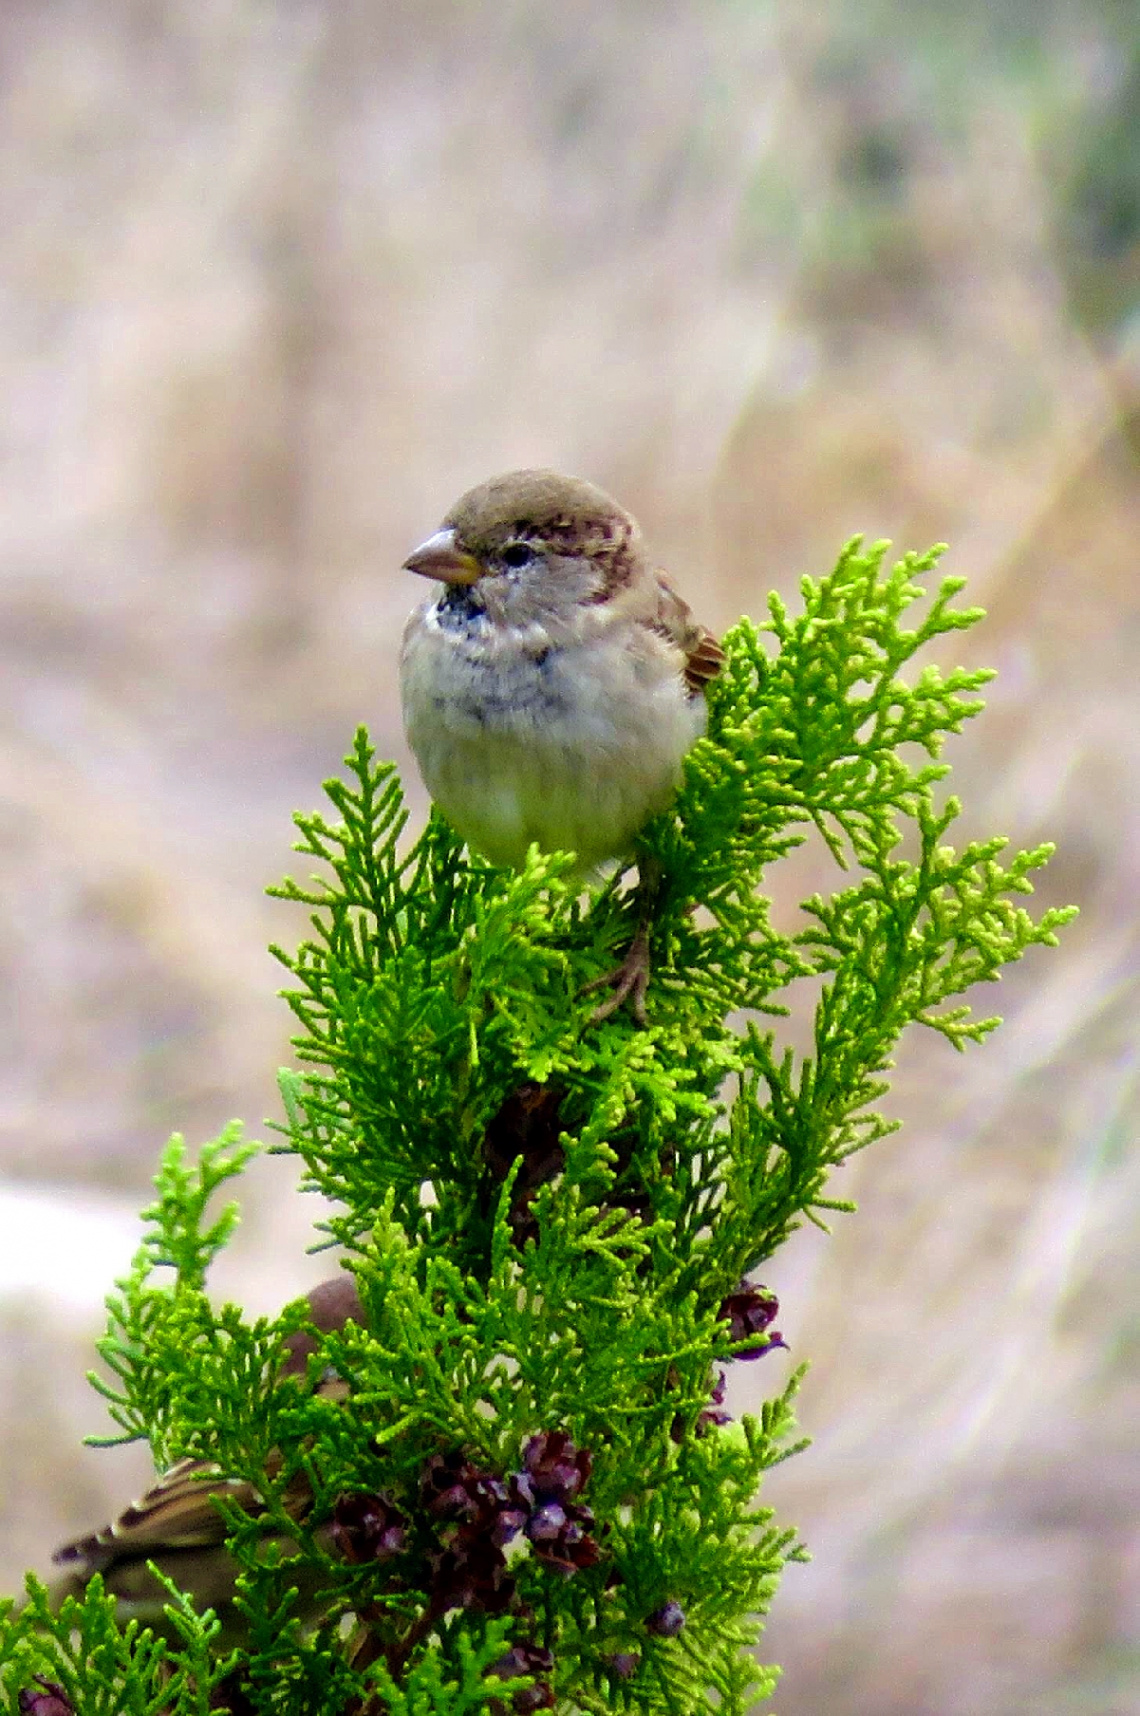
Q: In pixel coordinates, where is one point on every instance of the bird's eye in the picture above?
(517, 554)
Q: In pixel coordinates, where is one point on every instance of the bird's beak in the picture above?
(441, 557)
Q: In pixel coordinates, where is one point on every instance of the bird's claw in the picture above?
(629, 982)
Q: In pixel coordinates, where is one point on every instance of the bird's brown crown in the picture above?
(542, 504)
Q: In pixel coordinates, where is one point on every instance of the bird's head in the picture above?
(533, 546)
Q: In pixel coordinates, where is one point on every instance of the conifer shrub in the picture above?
(511, 1485)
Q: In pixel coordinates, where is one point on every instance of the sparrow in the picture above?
(552, 688)
(176, 1523)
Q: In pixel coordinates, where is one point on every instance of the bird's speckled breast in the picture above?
(486, 682)
(522, 740)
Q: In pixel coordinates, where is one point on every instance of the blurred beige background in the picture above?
(277, 282)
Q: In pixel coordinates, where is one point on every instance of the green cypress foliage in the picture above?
(525, 1492)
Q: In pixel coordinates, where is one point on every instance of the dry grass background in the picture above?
(277, 282)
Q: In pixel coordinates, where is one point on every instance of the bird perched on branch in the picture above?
(553, 687)
(176, 1524)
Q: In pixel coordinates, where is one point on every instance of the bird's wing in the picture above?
(177, 1513)
(704, 657)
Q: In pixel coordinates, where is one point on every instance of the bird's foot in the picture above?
(629, 982)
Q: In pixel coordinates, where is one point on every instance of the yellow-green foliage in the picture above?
(577, 1290)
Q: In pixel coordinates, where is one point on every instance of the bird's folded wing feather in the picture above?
(704, 657)
(178, 1513)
